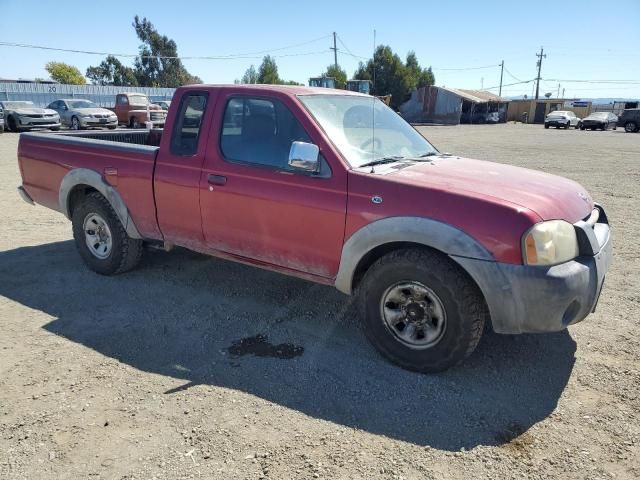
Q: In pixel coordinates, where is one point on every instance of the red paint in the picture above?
(294, 223)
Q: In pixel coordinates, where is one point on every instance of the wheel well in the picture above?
(373, 255)
(76, 195)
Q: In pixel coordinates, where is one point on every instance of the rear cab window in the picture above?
(188, 123)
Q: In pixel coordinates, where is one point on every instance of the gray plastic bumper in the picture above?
(527, 299)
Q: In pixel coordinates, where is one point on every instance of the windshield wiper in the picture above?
(383, 160)
(428, 154)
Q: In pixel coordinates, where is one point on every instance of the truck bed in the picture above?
(125, 159)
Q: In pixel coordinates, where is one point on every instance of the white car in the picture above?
(561, 118)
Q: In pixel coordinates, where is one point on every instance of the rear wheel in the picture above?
(101, 239)
(421, 310)
(630, 127)
(566, 127)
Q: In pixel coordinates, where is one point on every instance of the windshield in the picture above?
(559, 112)
(138, 100)
(599, 115)
(82, 104)
(16, 105)
(348, 121)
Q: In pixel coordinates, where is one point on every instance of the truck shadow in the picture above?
(179, 314)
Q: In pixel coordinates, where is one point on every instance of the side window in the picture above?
(259, 131)
(188, 123)
(123, 100)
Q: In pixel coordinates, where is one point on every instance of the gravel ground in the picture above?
(145, 375)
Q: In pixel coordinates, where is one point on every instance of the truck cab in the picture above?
(135, 110)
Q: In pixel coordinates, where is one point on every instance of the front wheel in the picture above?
(75, 123)
(421, 310)
(546, 125)
(101, 239)
(566, 127)
(630, 127)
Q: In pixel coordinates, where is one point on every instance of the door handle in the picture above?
(217, 180)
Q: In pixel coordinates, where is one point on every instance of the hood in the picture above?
(92, 111)
(34, 110)
(549, 196)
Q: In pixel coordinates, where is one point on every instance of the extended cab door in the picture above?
(179, 167)
(254, 205)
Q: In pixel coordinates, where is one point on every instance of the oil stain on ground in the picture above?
(260, 346)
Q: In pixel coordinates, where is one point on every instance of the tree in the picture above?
(151, 71)
(392, 76)
(417, 76)
(64, 73)
(339, 74)
(268, 71)
(250, 75)
(112, 72)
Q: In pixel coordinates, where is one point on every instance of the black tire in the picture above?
(12, 126)
(75, 123)
(460, 299)
(2, 128)
(546, 125)
(630, 127)
(566, 127)
(125, 252)
(112, 127)
(55, 129)
(133, 123)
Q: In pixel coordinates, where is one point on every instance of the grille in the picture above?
(34, 115)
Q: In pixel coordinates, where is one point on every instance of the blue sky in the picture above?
(584, 40)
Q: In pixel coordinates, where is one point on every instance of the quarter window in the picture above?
(259, 131)
(188, 124)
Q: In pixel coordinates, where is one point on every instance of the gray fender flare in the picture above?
(431, 233)
(84, 176)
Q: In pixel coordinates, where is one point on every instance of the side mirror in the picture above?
(304, 156)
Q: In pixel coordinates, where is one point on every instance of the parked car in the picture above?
(163, 104)
(296, 180)
(23, 115)
(600, 120)
(135, 109)
(561, 118)
(493, 117)
(78, 114)
(1, 120)
(630, 120)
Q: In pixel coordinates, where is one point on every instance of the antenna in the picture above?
(373, 103)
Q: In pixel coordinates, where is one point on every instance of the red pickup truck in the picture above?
(334, 187)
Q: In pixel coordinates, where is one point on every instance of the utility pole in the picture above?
(563, 93)
(335, 51)
(558, 96)
(540, 56)
(501, 72)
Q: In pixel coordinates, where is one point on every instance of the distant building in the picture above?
(360, 86)
(451, 106)
(535, 110)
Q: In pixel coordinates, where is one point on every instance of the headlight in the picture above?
(550, 243)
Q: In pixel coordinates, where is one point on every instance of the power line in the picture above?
(622, 82)
(512, 75)
(246, 55)
(510, 84)
(465, 68)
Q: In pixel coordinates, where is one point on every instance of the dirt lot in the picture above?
(132, 377)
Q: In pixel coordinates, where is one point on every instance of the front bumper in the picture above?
(24, 123)
(529, 299)
(98, 122)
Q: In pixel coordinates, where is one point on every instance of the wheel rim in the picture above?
(630, 127)
(413, 314)
(75, 125)
(97, 236)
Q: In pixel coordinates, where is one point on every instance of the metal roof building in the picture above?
(450, 106)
